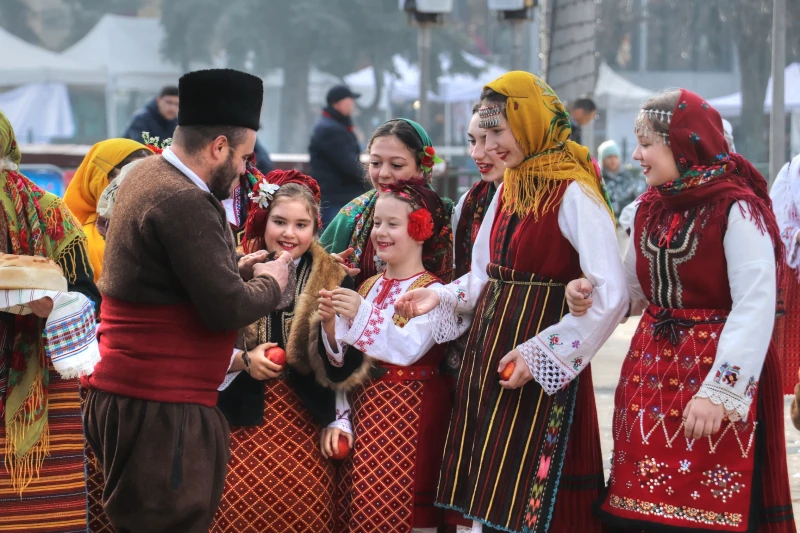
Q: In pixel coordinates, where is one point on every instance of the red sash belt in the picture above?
(409, 373)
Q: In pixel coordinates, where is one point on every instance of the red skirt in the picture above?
(787, 329)
(388, 482)
(277, 478)
(55, 501)
(662, 481)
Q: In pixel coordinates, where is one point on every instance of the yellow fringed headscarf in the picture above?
(88, 184)
(540, 123)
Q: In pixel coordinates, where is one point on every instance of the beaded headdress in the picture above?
(644, 120)
(490, 116)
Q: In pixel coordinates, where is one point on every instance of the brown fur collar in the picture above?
(302, 345)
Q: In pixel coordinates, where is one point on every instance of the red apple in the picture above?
(343, 449)
(276, 355)
(505, 375)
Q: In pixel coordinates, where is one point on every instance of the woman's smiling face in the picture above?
(390, 161)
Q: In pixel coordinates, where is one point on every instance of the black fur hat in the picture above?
(220, 97)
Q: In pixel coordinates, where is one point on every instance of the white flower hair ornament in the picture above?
(263, 193)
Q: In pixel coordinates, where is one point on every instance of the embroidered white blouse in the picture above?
(785, 194)
(557, 354)
(747, 332)
(374, 333)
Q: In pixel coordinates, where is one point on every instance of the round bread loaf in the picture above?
(29, 272)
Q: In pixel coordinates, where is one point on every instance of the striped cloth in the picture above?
(69, 332)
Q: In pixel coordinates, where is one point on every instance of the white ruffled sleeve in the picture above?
(638, 299)
(558, 354)
(745, 338)
(787, 210)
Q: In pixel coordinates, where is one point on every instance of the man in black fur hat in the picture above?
(173, 297)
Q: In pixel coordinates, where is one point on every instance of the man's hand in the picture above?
(247, 263)
(329, 442)
(579, 296)
(702, 418)
(262, 368)
(342, 259)
(277, 269)
(346, 302)
(42, 307)
(521, 374)
(415, 303)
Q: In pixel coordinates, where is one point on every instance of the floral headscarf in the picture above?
(38, 224)
(540, 123)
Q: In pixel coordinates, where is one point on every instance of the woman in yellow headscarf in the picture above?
(100, 166)
(523, 447)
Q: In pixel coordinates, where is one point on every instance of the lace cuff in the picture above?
(446, 322)
(736, 407)
(229, 377)
(342, 422)
(545, 367)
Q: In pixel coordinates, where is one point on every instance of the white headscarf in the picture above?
(105, 205)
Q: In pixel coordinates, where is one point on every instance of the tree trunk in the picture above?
(294, 109)
(752, 30)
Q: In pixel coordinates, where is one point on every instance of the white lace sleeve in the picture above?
(230, 376)
(548, 371)
(744, 340)
(638, 300)
(342, 413)
(448, 323)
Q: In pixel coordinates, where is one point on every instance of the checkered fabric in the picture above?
(375, 490)
(277, 478)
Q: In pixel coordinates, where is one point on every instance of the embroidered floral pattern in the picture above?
(554, 341)
(690, 514)
(721, 481)
(727, 374)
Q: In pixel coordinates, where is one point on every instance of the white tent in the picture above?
(731, 105)
(619, 101)
(27, 63)
(39, 112)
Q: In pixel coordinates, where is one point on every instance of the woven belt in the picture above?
(666, 326)
(409, 373)
(529, 283)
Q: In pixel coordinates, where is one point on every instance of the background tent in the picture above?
(39, 112)
(27, 63)
(619, 101)
(731, 105)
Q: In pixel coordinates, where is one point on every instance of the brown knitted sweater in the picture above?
(170, 243)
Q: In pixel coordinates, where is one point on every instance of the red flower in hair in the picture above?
(420, 225)
(430, 150)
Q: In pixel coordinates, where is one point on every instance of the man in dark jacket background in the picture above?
(159, 117)
(334, 152)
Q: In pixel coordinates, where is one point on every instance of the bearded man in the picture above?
(173, 297)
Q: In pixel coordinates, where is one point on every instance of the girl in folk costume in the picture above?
(400, 149)
(698, 413)
(473, 208)
(387, 483)
(42, 485)
(785, 196)
(523, 453)
(277, 478)
(99, 168)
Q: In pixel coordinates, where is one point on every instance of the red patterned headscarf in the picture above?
(261, 198)
(430, 223)
(710, 177)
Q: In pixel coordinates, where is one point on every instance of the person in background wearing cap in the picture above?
(173, 298)
(334, 152)
(622, 187)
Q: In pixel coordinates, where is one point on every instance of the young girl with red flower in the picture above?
(397, 400)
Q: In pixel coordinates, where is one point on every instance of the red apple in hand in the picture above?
(276, 355)
(505, 375)
(342, 449)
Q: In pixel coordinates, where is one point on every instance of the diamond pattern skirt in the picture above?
(277, 478)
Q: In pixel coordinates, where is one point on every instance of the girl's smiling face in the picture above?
(389, 161)
(489, 165)
(290, 227)
(501, 141)
(390, 237)
(656, 159)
